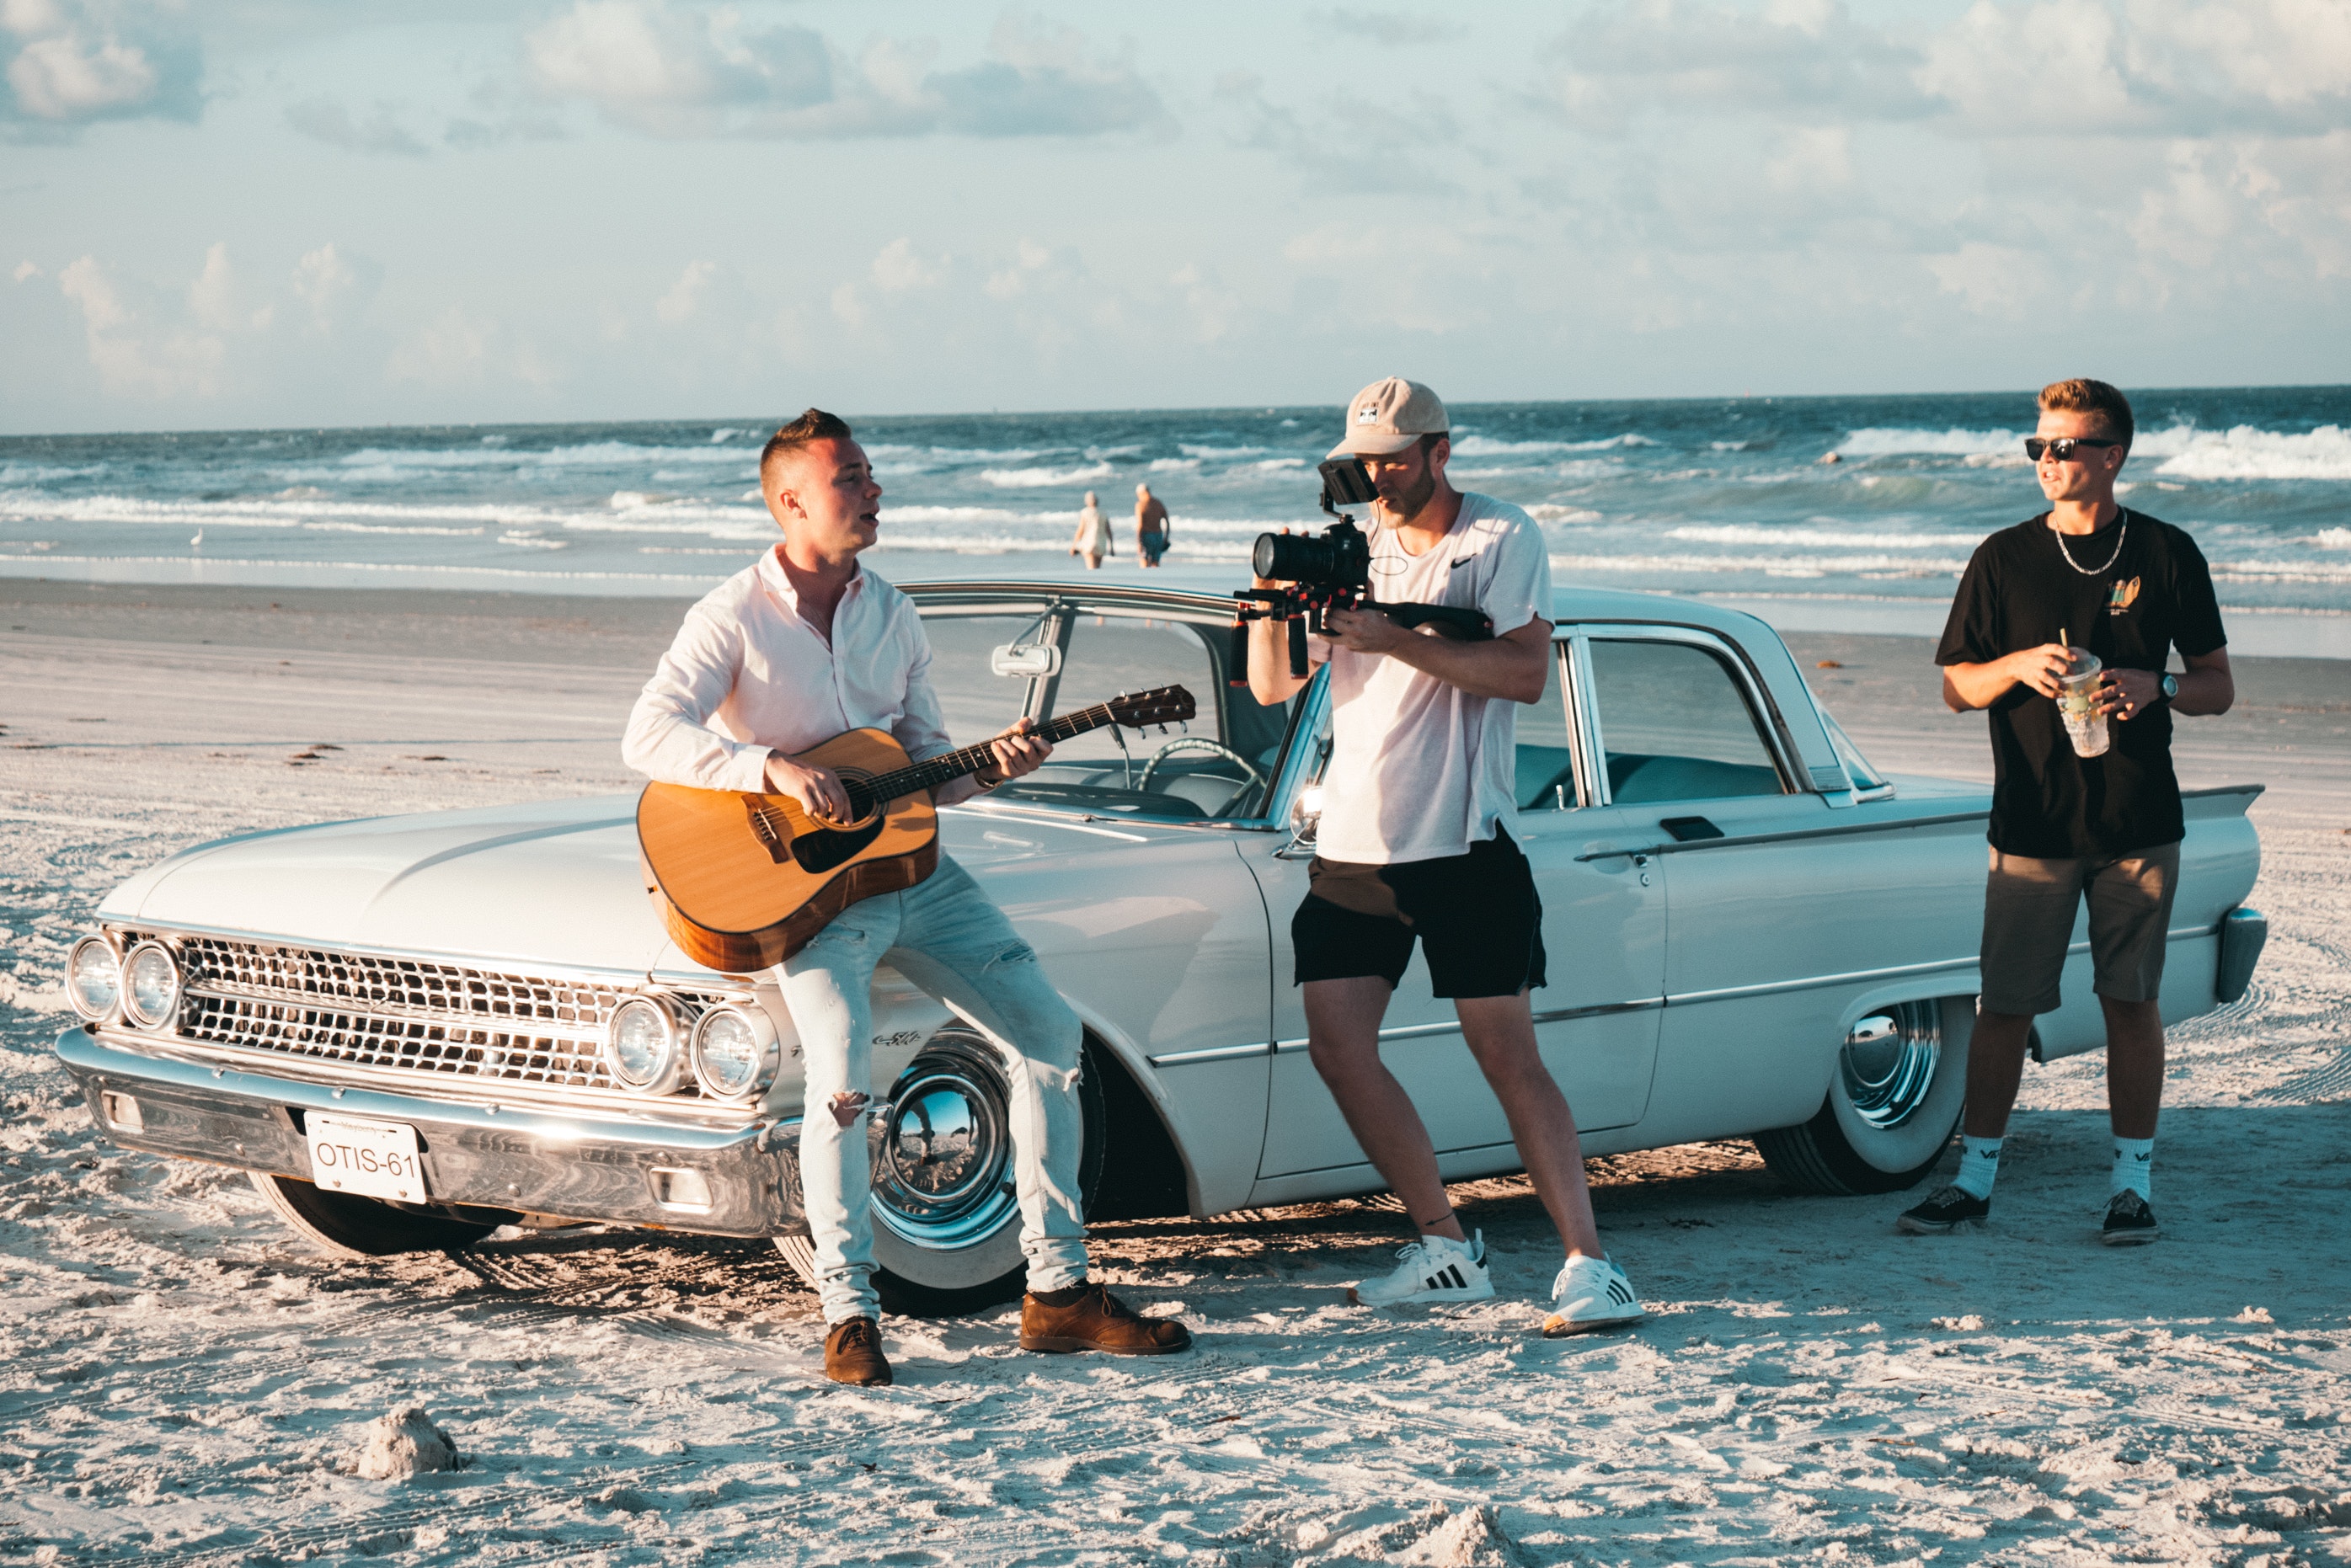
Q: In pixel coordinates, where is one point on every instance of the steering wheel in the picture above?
(1196, 743)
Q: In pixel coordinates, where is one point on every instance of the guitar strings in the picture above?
(864, 795)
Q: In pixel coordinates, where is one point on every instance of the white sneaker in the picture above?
(1590, 1293)
(1433, 1268)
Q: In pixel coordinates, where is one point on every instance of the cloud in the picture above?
(164, 362)
(688, 70)
(25, 270)
(674, 70)
(459, 349)
(1342, 150)
(2156, 67)
(2132, 67)
(323, 119)
(1994, 280)
(217, 297)
(1909, 147)
(70, 63)
(1029, 261)
(898, 269)
(333, 284)
(1804, 57)
(1043, 81)
(1398, 29)
(685, 294)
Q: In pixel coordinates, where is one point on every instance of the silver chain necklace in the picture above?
(2099, 571)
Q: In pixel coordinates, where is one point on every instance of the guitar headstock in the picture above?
(1160, 705)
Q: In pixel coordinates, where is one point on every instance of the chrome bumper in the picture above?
(491, 1156)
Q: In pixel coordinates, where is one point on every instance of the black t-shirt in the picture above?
(2019, 592)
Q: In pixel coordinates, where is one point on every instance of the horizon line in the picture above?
(1097, 412)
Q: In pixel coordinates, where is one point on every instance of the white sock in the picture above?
(2134, 1167)
(1978, 1166)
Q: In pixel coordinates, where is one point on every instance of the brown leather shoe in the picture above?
(852, 1354)
(1097, 1320)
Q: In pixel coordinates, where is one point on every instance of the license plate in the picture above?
(372, 1159)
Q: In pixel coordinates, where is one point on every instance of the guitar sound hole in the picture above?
(825, 848)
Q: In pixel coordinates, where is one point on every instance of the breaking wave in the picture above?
(586, 454)
(2246, 452)
(1897, 441)
(1040, 478)
(1487, 446)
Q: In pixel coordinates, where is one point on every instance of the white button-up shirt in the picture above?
(748, 676)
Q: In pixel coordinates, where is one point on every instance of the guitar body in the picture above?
(743, 881)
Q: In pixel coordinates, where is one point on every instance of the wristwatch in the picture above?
(2170, 686)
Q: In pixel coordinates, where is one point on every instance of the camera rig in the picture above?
(1327, 571)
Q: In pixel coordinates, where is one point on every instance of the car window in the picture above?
(1676, 725)
(1857, 767)
(977, 702)
(1546, 761)
(1217, 765)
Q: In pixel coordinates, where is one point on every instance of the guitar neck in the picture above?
(865, 793)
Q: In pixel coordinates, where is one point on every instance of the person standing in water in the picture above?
(1151, 529)
(1092, 540)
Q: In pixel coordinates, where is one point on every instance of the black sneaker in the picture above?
(1952, 1209)
(2129, 1221)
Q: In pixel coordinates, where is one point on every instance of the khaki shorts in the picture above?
(2029, 910)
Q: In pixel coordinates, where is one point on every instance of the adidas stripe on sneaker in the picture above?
(1589, 1294)
(1433, 1268)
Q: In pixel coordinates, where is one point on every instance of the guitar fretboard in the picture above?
(864, 795)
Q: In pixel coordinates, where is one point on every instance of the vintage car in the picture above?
(413, 1030)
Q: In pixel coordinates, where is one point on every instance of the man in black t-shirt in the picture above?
(2118, 583)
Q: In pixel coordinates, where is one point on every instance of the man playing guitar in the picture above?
(787, 653)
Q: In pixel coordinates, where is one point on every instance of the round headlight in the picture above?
(150, 985)
(641, 1046)
(94, 979)
(735, 1053)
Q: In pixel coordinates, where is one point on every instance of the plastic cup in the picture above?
(2077, 704)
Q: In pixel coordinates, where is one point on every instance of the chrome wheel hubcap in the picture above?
(1889, 1061)
(942, 1154)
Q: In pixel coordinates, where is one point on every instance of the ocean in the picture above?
(1733, 499)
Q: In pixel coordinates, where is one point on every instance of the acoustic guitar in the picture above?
(743, 881)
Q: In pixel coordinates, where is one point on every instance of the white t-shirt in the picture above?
(1419, 768)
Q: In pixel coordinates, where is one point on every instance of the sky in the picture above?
(261, 212)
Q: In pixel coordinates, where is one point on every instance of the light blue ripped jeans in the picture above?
(945, 936)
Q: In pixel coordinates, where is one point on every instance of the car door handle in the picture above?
(1688, 829)
(1638, 853)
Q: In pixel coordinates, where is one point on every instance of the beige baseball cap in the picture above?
(1389, 416)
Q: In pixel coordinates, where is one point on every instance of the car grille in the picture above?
(437, 1020)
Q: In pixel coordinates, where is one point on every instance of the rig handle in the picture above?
(1298, 666)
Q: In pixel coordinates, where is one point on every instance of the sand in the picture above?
(184, 1382)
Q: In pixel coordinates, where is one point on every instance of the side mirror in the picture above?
(1025, 661)
(1305, 816)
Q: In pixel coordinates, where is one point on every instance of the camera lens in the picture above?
(1289, 558)
(1338, 557)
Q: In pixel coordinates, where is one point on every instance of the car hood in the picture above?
(552, 882)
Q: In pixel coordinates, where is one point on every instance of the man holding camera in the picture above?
(1413, 845)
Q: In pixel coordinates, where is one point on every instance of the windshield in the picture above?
(1219, 766)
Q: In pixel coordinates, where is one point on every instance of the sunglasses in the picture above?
(2062, 449)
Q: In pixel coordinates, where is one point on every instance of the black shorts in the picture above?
(1476, 914)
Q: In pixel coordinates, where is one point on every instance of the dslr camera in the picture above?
(1327, 571)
